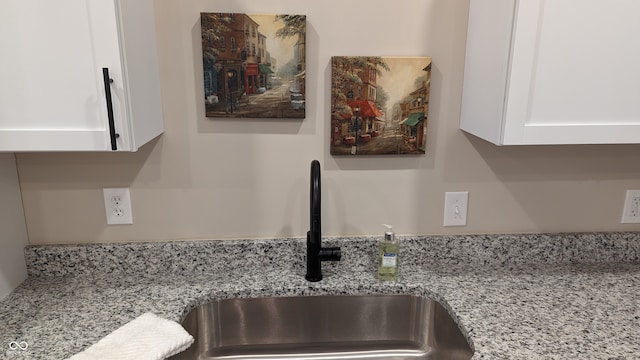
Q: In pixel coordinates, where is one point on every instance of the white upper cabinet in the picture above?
(52, 79)
(553, 72)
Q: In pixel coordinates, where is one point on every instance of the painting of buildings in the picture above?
(253, 65)
(379, 105)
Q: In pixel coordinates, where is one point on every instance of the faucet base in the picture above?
(313, 278)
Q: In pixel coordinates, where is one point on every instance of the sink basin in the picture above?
(324, 327)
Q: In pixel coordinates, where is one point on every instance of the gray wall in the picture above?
(216, 178)
(13, 237)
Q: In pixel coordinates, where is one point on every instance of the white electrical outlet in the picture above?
(631, 211)
(455, 208)
(117, 204)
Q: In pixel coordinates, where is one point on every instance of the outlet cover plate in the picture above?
(117, 204)
(631, 211)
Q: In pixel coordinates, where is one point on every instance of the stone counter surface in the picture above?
(550, 296)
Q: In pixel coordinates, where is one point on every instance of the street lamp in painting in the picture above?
(230, 74)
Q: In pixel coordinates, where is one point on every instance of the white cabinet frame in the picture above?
(53, 94)
(552, 72)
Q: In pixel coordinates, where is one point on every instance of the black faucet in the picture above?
(315, 252)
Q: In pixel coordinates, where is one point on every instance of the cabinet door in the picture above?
(52, 94)
(553, 71)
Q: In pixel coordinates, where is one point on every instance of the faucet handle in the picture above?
(330, 254)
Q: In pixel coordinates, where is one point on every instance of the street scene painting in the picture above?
(254, 65)
(379, 105)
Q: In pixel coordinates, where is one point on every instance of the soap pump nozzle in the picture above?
(389, 235)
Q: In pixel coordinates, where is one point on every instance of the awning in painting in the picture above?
(367, 108)
(265, 69)
(413, 119)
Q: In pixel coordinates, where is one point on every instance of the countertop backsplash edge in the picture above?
(359, 253)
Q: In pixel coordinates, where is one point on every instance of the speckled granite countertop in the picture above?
(559, 296)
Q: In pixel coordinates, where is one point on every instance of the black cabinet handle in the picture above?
(112, 126)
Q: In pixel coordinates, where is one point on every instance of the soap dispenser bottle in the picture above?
(388, 255)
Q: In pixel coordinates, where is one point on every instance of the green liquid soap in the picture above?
(388, 257)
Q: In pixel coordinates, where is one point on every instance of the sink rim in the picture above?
(332, 296)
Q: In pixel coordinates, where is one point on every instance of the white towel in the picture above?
(148, 337)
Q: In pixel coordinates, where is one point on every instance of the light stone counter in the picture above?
(560, 296)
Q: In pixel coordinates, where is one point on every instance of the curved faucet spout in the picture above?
(315, 252)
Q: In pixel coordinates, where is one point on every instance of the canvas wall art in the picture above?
(254, 65)
(379, 105)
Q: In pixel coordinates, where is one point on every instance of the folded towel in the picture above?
(148, 337)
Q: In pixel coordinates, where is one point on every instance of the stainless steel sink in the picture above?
(324, 327)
